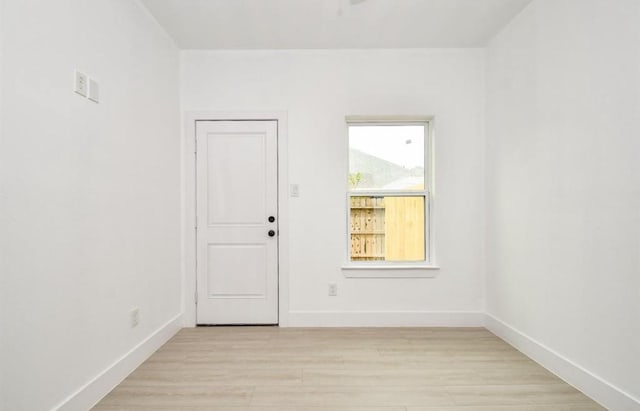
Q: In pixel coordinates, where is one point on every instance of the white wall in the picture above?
(563, 186)
(317, 89)
(89, 195)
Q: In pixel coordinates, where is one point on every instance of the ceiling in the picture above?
(332, 24)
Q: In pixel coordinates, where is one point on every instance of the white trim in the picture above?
(387, 193)
(390, 271)
(600, 390)
(386, 319)
(388, 119)
(431, 181)
(392, 266)
(89, 394)
(188, 231)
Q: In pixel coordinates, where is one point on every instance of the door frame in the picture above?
(188, 200)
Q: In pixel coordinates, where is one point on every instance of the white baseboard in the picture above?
(595, 387)
(92, 392)
(385, 319)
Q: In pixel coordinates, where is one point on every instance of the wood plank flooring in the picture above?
(341, 369)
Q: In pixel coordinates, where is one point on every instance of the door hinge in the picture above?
(196, 297)
(196, 227)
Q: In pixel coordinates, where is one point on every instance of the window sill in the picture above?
(390, 271)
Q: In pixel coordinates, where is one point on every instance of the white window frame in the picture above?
(404, 268)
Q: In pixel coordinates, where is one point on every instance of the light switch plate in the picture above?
(80, 85)
(94, 90)
(295, 190)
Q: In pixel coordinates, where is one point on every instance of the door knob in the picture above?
(272, 219)
(271, 233)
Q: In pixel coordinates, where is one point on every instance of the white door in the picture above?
(237, 222)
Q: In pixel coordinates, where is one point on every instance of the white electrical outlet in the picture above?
(295, 190)
(81, 85)
(135, 317)
(333, 289)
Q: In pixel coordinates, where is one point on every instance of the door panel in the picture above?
(236, 186)
(237, 260)
(226, 260)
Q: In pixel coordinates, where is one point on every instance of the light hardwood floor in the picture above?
(346, 369)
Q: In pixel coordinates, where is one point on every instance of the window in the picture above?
(389, 192)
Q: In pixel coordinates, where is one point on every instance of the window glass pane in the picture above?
(387, 228)
(386, 157)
